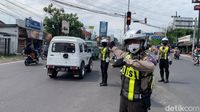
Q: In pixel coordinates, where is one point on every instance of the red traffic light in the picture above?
(128, 18)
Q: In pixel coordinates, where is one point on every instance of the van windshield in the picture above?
(63, 47)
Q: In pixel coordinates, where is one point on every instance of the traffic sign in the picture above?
(195, 1)
(197, 7)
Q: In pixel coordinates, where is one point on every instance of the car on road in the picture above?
(68, 54)
(92, 46)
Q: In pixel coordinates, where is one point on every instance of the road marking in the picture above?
(11, 62)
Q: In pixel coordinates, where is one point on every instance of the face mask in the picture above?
(133, 47)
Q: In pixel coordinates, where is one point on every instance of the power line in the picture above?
(92, 4)
(23, 8)
(3, 11)
(86, 9)
(10, 11)
(101, 12)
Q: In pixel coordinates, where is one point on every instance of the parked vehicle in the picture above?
(92, 46)
(68, 54)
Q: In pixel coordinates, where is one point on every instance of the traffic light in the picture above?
(145, 20)
(128, 22)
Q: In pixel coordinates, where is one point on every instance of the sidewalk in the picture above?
(13, 58)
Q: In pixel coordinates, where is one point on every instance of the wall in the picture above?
(14, 39)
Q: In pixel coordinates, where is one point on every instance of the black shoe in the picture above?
(162, 80)
(103, 84)
(167, 81)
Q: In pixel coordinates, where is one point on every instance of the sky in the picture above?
(157, 12)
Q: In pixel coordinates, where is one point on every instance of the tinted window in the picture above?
(81, 47)
(63, 47)
(85, 48)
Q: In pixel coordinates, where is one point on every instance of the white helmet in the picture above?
(104, 40)
(136, 35)
(165, 40)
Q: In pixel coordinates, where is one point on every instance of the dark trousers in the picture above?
(164, 67)
(128, 106)
(104, 69)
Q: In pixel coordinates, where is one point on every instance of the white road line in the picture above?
(11, 62)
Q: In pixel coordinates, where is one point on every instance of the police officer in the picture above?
(164, 59)
(104, 61)
(137, 73)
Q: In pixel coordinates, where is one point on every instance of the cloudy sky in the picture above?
(157, 12)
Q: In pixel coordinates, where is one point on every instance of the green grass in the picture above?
(11, 58)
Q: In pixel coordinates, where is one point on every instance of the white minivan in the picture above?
(68, 54)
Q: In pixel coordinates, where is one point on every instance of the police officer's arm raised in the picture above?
(141, 65)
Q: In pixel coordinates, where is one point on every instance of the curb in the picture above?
(13, 62)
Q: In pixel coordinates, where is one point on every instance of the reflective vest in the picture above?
(104, 54)
(164, 50)
(136, 85)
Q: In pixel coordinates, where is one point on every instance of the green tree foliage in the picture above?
(53, 23)
(173, 34)
(155, 42)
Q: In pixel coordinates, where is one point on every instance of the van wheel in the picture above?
(82, 71)
(90, 66)
(53, 74)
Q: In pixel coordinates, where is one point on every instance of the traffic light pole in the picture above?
(128, 11)
(198, 29)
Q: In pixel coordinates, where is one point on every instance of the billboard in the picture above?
(65, 27)
(183, 22)
(103, 28)
(35, 34)
(29, 23)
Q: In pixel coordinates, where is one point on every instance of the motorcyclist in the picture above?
(137, 73)
(30, 51)
(176, 53)
(196, 55)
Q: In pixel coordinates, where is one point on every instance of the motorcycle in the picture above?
(31, 58)
(44, 55)
(176, 55)
(196, 59)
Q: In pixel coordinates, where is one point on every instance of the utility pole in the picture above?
(128, 11)
(125, 19)
(198, 29)
(194, 35)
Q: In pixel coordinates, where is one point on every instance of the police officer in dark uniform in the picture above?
(164, 59)
(137, 73)
(104, 61)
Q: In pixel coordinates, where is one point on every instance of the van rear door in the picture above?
(63, 54)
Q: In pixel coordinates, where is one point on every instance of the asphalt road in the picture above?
(29, 89)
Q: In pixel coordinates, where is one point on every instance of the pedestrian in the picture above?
(137, 73)
(164, 59)
(104, 61)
